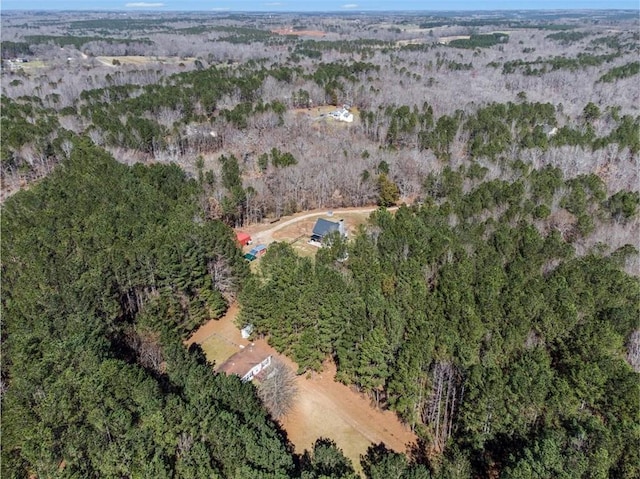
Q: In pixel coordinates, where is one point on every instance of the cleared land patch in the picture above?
(297, 234)
(280, 230)
(219, 338)
(323, 408)
(446, 40)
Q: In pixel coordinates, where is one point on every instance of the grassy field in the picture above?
(218, 349)
(220, 338)
(325, 408)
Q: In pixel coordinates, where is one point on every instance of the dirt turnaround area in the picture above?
(291, 228)
(323, 408)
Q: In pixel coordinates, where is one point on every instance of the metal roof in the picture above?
(324, 227)
(257, 249)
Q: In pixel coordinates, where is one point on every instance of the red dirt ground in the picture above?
(324, 408)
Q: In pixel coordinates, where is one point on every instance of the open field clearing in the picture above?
(301, 33)
(299, 232)
(219, 338)
(323, 408)
(447, 40)
(321, 113)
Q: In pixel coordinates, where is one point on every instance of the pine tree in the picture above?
(388, 191)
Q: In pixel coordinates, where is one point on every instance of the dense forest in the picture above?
(488, 338)
(495, 311)
(105, 269)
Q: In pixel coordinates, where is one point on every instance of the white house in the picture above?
(265, 363)
(342, 114)
(248, 362)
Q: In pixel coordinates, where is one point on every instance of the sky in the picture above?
(314, 5)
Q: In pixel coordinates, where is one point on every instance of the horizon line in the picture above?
(343, 10)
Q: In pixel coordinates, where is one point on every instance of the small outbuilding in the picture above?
(246, 331)
(258, 250)
(243, 239)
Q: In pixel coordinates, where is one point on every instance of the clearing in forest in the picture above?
(300, 33)
(447, 40)
(220, 338)
(297, 228)
(323, 407)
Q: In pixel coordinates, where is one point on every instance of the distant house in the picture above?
(243, 239)
(248, 363)
(16, 63)
(342, 114)
(199, 138)
(323, 227)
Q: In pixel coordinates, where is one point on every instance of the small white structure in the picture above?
(246, 331)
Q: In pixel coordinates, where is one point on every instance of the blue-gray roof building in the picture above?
(324, 227)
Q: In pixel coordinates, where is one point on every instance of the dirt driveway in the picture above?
(324, 408)
(264, 233)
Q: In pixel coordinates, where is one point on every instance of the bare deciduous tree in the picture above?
(278, 390)
(222, 277)
(444, 397)
(146, 345)
(633, 350)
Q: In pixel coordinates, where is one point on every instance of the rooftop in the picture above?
(324, 227)
(244, 360)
